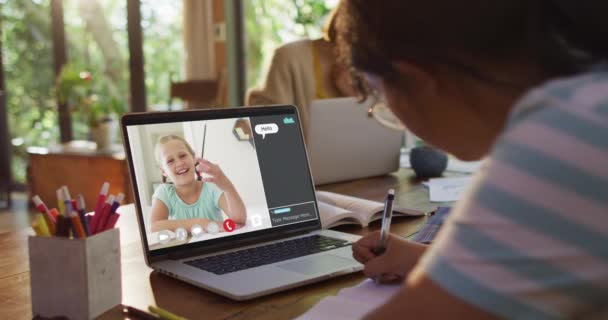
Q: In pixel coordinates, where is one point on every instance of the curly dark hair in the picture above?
(371, 35)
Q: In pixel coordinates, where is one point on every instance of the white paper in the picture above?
(455, 165)
(447, 189)
(370, 292)
(352, 303)
(337, 308)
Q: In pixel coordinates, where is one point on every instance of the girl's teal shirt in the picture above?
(207, 205)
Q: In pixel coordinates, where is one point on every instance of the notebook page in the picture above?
(330, 214)
(352, 303)
(370, 292)
(337, 308)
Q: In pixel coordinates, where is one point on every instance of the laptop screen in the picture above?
(210, 176)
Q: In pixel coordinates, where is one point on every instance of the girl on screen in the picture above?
(183, 200)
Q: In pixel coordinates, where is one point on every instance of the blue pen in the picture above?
(81, 213)
(67, 201)
(116, 203)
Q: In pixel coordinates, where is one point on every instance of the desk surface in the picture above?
(142, 287)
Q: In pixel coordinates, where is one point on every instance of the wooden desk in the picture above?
(142, 287)
(81, 168)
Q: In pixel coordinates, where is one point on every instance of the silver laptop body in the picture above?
(286, 182)
(344, 143)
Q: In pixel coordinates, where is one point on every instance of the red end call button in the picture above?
(229, 225)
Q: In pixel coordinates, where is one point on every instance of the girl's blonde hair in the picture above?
(164, 139)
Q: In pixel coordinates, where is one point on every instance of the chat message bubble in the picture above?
(268, 128)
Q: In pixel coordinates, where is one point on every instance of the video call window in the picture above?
(203, 180)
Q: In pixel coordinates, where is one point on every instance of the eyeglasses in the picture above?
(378, 109)
(383, 114)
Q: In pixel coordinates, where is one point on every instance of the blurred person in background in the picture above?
(303, 71)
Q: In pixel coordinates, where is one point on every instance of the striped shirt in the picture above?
(530, 238)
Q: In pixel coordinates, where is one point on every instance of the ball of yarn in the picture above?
(428, 162)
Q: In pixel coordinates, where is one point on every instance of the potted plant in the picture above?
(94, 101)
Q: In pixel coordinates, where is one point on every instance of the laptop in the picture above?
(280, 244)
(344, 143)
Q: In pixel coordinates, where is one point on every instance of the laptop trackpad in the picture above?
(317, 264)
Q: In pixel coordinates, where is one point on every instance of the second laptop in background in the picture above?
(344, 143)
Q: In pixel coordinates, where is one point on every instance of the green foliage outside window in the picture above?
(272, 23)
(97, 42)
(28, 71)
(97, 45)
(28, 55)
(91, 98)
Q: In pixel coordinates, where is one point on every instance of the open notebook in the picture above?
(352, 303)
(338, 209)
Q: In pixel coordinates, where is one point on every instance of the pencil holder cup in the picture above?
(75, 278)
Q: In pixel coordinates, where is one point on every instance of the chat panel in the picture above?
(283, 164)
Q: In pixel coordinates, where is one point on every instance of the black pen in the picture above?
(386, 222)
(386, 226)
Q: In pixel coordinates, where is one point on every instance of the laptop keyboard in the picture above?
(270, 253)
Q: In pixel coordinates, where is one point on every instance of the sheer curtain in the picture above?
(199, 40)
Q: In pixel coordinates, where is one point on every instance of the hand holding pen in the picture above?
(386, 226)
(387, 216)
(387, 258)
(213, 173)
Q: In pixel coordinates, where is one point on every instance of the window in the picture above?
(97, 43)
(272, 23)
(29, 76)
(97, 46)
(163, 48)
